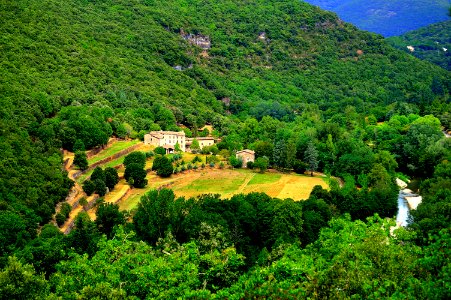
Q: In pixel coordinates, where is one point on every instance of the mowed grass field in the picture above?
(227, 183)
(111, 150)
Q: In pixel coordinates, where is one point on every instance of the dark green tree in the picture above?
(100, 187)
(107, 217)
(136, 157)
(136, 175)
(111, 177)
(160, 150)
(165, 168)
(89, 187)
(80, 160)
(79, 146)
(99, 174)
(311, 157)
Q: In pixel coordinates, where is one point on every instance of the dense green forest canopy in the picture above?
(431, 43)
(288, 80)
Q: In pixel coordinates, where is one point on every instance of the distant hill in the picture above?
(388, 18)
(431, 43)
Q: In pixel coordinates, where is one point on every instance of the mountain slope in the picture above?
(388, 18)
(431, 43)
(69, 64)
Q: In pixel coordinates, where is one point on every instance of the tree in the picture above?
(177, 147)
(89, 187)
(79, 146)
(235, 162)
(160, 150)
(136, 157)
(280, 154)
(311, 157)
(107, 217)
(286, 226)
(165, 167)
(19, 281)
(99, 174)
(261, 163)
(111, 177)
(195, 147)
(60, 219)
(100, 187)
(80, 160)
(299, 166)
(136, 175)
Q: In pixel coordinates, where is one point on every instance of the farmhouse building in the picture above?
(246, 155)
(166, 139)
(203, 142)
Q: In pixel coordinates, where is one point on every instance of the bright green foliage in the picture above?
(235, 162)
(195, 147)
(133, 269)
(261, 163)
(19, 281)
(349, 260)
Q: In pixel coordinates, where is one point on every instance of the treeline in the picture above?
(247, 246)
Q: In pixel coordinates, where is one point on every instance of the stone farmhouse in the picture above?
(203, 142)
(246, 155)
(166, 139)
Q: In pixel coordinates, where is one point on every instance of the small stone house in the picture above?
(166, 139)
(246, 155)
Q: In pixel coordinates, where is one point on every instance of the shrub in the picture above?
(65, 209)
(196, 159)
(80, 160)
(60, 219)
(160, 150)
(165, 168)
(250, 165)
(299, 166)
(235, 162)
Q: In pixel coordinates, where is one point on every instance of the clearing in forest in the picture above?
(227, 183)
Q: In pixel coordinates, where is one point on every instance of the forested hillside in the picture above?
(300, 87)
(431, 43)
(388, 18)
